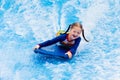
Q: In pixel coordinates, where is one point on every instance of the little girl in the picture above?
(70, 39)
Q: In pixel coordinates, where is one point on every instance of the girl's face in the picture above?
(74, 33)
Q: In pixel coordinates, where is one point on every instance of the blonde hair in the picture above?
(77, 24)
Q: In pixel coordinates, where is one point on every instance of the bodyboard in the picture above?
(53, 50)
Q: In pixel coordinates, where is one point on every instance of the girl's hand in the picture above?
(69, 54)
(36, 47)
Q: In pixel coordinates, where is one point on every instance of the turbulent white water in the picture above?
(25, 23)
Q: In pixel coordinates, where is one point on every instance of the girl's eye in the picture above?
(74, 31)
(78, 32)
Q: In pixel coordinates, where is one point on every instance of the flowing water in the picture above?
(25, 23)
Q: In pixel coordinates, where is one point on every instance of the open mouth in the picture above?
(74, 36)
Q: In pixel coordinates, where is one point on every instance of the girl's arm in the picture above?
(73, 49)
(53, 41)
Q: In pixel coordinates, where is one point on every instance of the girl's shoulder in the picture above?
(63, 35)
(78, 39)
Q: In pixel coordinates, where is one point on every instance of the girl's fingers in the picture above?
(36, 47)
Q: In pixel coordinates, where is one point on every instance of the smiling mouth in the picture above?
(74, 36)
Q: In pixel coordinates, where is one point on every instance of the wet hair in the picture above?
(77, 24)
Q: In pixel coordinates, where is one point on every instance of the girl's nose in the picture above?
(75, 34)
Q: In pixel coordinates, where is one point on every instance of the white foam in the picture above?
(96, 60)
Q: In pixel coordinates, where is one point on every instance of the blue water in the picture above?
(25, 23)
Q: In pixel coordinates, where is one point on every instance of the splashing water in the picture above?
(25, 23)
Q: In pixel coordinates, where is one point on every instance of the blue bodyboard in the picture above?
(53, 50)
